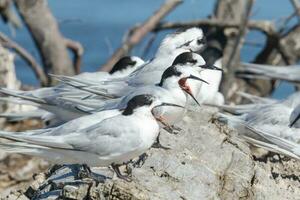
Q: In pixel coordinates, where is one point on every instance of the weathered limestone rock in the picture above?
(15, 170)
(7, 76)
(206, 161)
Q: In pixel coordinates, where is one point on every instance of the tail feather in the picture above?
(22, 96)
(230, 120)
(16, 100)
(271, 147)
(37, 138)
(12, 148)
(87, 103)
(74, 80)
(35, 114)
(91, 89)
(254, 71)
(255, 99)
(236, 109)
(276, 143)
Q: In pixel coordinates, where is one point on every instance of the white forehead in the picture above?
(180, 38)
(191, 33)
(199, 58)
(186, 70)
(137, 59)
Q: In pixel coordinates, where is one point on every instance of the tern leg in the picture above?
(86, 172)
(54, 168)
(169, 129)
(163, 122)
(176, 128)
(83, 171)
(141, 161)
(119, 174)
(158, 145)
(173, 129)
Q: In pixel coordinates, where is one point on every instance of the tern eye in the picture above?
(132, 63)
(201, 41)
(193, 61)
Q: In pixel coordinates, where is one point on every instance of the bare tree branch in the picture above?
(296, 5)
(47, 37)
(149, 44)
(242, 31)
(139, 32)
(233, 51)
(267, 27)
(77, 50)
(37, 69)
(8, 14)
(285, 21)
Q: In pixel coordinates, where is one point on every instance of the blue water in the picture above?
(100, 25)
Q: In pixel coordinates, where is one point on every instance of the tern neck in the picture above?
(140, 111)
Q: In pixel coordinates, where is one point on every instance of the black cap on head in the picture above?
(123, 63)
(170, 71)
(186, 57)
(136, 102)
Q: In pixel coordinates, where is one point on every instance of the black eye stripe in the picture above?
(201, 41)
(132, 63)
(193, 61)
(185, 44)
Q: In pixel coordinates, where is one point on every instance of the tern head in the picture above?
(191, 39)
(127, 63)
(146, 102)
(193, 60)
(178, 76)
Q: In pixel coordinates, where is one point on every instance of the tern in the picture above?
(174, 44)
(66, 108)
(45, 99)
(210, 93)
(111, 137)
(125, 66)
(173, 87)
(188, 40)
(273, 125)
(118, 89)
(184, 75)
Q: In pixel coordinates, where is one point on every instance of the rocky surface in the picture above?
(206, 161)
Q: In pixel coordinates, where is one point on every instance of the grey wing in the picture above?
(269, 114)
(289, 73)
(110, 137)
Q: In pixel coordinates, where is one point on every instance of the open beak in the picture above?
(187, 89)
(189, 92)
(211, 67)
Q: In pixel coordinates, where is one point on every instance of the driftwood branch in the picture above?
(242, 32)
(267, 27)
(37, 69)
(45, 31)
(8, 14)
(149, 44)
(296, 5)
(77, 50)
(141, 31)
